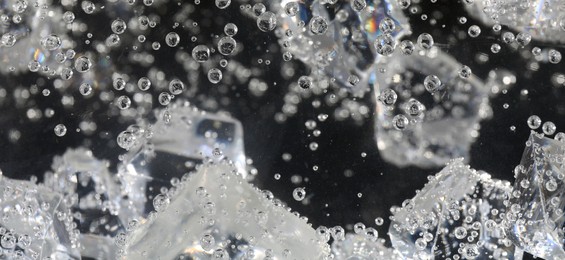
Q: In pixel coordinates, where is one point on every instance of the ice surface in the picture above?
(360, 247)
(535, 217)
(162, 153)
(94, 196)
(459, 213)
(216, 204)
(35, 223)
(37, 22)
(543, 20)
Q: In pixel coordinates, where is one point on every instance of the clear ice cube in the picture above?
(35, 223)
(535, 217)
(94, 196)
(347, 46)
(37, 22)
(215, 214)
(360, 247)
(450, 119)
(161, 153)
(458, 214)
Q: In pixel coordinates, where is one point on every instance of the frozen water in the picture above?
(535, 217)
(345, 49)
(543, 20)
(447, 121)
(182, 137)
(35, 224)
(213, 212)
(94, 196)
(38, 23)
(360, 247)
(459, 213)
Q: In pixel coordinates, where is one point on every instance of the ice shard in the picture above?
(214, 213)
(434, 127)
(346, 48)
(535, 216)
(457, 215)
(361, 247)
(35, 223)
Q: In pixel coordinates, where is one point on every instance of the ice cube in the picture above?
(35, 223)
(215, 214)
(535, 216)
(94, 196)
(442, 125)
(361, 247)
(161, 153)
(458, 214)
(346, 48)
(37, 23)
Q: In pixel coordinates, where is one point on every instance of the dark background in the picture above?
(332, 195)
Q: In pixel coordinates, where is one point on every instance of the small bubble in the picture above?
(119, 26)
(83, 64)
(215, 75)
(299, 194)
(123, 102)
(425, 41)
(230, 29)
(201, 53)
(474, 31)
(60, 130)
(172, 39)
(548, 128)
(267, 21)
(318, 25)
(534, 122)
(223, 4)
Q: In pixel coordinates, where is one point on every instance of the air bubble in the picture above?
(215, 75)
(60, 130)
(299, 194)
(201, 53)
(267, 21)
(172, 39)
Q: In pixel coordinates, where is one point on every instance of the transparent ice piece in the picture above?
(35, 224)
(37, 22)
(162, 153)
(94, 196)
(543, 20)
(450, 121)
(359, 247)
(459, 213)
(535, 216)
(347, 46)
(215, 211)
